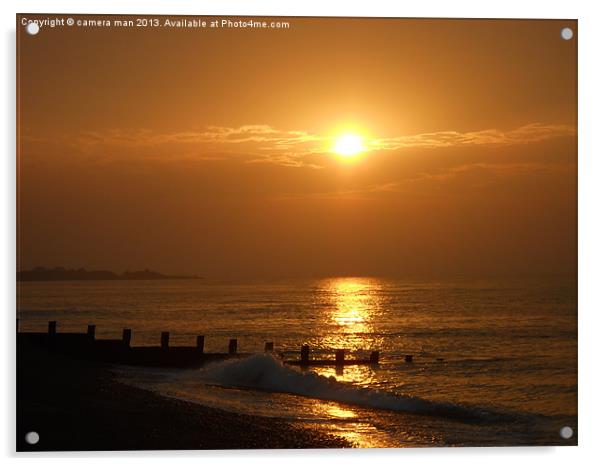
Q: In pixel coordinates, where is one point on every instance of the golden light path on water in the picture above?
(354, 305)
(353, 311)
(348, 423)
(355, 301)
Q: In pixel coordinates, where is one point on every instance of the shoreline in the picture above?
(77, 405)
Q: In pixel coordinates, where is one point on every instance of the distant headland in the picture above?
(63, 274)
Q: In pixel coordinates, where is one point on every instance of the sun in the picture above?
(348, 145)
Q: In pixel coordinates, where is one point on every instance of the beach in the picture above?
(79, 405)
(492, 363)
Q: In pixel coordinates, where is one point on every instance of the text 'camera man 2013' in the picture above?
(157, 23)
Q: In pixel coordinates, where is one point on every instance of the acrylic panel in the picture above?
(295, 232)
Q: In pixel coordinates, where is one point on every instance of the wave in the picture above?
(266, 373)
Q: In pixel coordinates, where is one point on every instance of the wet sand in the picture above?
(79, 405)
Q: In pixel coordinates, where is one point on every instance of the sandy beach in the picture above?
(77, 405)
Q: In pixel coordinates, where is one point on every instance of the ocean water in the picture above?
(494, 362)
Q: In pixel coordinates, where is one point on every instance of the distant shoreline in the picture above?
(44, 274)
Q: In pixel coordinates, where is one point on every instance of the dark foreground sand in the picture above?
(77, 405)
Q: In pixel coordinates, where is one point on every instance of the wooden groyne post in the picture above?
(305, 354)
(340, 357)
(126, 337)
(232, 346)
(164, 340)
(200, 343)
(121, 351)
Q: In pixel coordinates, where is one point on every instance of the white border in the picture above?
(590, 226)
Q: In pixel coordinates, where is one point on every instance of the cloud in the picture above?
(472, 175)
(533, 132)
(266, 137)
(494, 169)
(262, 143)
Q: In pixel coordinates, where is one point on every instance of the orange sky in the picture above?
(209, 151)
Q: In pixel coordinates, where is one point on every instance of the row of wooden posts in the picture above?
(126, 338)
(233, 347)
(339, 356)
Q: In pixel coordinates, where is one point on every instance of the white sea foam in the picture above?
(264, 372)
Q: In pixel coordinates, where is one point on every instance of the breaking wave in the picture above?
(266, 373)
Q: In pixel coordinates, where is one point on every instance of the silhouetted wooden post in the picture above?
(164, 340)
(269, 346)
(200, 343)
(17, 325)
(232, 346)
(340, 357)
(409, 358)
(305, 354)
(374, 356)
(52, 327)
(91, 332)
(126, 337)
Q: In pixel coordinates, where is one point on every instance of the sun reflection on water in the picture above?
(338, 412)
(361, 375)
(348, 423)
(353, 303)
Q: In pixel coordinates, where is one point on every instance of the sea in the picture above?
(493, 362)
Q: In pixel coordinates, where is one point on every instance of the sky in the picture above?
(210, 151)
